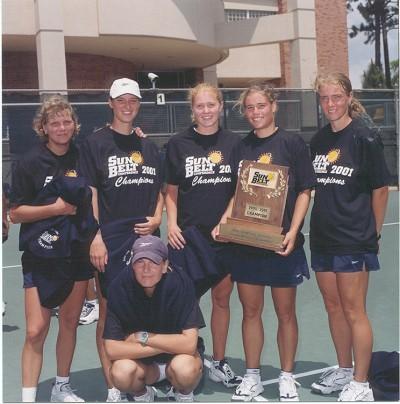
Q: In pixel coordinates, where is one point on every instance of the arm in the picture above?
(153, 222)
(128, 349)
(185, 343)
(29, 214)
(98, 250)
(379, 204)
(227, 213)
(300, 210)
(175, 237)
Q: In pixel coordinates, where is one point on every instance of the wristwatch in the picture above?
(143, 337)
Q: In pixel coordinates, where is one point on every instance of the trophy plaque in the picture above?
(258, 206)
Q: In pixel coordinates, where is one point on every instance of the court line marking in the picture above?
(207, 364)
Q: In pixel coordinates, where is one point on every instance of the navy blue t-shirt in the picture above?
(172, 308)
(285, 149)
(125, 170)
(200, 166)
(35, 169)
(349, 165)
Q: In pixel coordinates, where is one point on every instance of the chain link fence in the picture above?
(298, 112)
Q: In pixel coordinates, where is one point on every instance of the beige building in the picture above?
(71, 44)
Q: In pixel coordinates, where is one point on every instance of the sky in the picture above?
(361, 54)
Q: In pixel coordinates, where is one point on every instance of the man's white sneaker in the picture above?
(332, 380)
(249, 388)
(62, 393)
(147, 397)
(223, 373)
(116, 396)
(287, 388)
(355, 391)
(89, 314)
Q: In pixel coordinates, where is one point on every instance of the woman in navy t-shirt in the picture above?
(199, 186)
(56, 123)
(254, 268)
(346, 221)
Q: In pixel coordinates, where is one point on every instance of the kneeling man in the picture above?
(152, 325)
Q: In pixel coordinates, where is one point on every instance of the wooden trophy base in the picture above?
(252, 234)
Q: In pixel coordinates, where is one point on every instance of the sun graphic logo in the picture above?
(265, 158)
(71, 173)
(136, 157)
(333, 156)
(216, 157)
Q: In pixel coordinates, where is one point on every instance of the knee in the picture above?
(353, 314)
(221, 297)
(333, 307)
(185, 369)
(68, 322)
(123, 372)
(36, 335)
(286, 316)
(252, 311)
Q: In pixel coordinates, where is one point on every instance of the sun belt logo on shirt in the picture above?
(216, 157)
(265, 158)
(124, 165)
(71, 173)
(137, 157)
(48, 238)
(203, 165)
(321, 161)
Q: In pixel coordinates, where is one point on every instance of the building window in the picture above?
(237, 15)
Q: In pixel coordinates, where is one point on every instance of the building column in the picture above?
(304, 47)
(210, 75)
(52, 71)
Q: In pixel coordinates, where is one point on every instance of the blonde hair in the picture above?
(51, 106)
(265, 89)
(355, 108)
(194, 92)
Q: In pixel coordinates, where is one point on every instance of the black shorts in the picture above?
(261, 267)
(81, 268)
(344, 263)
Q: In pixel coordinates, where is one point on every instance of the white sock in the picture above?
(62, 380)
(363, 384)
(254, 373)
(94, 301)
(346, 369)
(29, 394)
(289, 374)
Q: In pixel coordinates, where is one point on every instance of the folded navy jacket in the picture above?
(198, 259)
(53, 237)
(119, 237)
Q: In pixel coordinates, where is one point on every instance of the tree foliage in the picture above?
(373, 77)
(380, 17)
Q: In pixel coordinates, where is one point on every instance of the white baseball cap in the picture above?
(124, 86)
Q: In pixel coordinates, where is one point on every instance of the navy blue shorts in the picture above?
(344, 263)
(82, 268)
(256, 266)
